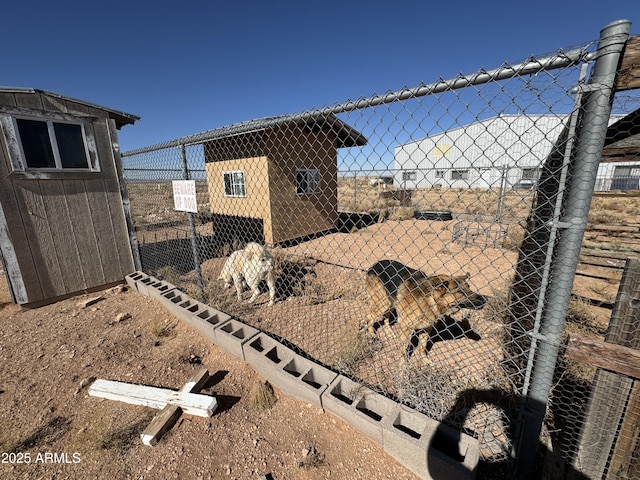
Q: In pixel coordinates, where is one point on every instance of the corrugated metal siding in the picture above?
(488, 149)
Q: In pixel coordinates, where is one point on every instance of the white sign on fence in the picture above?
(184, 196)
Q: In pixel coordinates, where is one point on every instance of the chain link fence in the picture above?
(469, 181)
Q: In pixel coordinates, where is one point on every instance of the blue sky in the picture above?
(190, 66)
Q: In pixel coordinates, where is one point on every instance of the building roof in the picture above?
(346, 135)
(121, 118)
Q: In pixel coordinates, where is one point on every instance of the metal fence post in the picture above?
(591, 137)
(192, 228)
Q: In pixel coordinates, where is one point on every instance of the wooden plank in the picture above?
(39, 240)
(10, 264)
(609, 356)
(112, 224)
(12, 144)
(85, 235)
(629, 72)
(628, 444)
(119, 226)
(19, 264)
(63, 235)
(154, 397)
(126, 204)
(101, 221)
(165, 420)
(615, 228)
(594, 301)
(610, 393)
(605, 262)
(28, 100)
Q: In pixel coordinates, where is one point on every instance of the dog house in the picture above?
(62, 221)
(275, 179)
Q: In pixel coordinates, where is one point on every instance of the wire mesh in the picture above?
(395, 225)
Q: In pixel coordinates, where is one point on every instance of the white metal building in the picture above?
(505, 150)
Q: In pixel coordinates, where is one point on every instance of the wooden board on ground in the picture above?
(191, 403)
(169, 415)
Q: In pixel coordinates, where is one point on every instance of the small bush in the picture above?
(403, 213)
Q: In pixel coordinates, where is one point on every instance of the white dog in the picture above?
(252, 265)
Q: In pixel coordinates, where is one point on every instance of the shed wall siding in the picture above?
(69, 235)
(294, 215)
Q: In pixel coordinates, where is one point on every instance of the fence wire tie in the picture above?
(575, 225)
(590, 87)
(543, 337)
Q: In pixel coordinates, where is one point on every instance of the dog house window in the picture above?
(50, 144)
(307, 181)
(234, 185)
(460, 175)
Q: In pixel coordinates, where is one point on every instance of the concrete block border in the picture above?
(294, 375)
(359, 406)
(232, 335)
(133, 278)
(427, 447)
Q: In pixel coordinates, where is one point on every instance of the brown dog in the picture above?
(418, 300)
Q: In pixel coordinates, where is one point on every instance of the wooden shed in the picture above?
(62, 221)
(275, 179)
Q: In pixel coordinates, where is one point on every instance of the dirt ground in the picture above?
(50, 356)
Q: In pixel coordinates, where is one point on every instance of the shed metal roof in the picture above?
(121, 118)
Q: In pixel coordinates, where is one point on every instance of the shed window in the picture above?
(307, 181)
(48, 144)
(409, 175)
(234, 185)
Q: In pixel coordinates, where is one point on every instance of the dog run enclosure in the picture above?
(492, 175)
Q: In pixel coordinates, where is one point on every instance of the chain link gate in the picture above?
(447, 178)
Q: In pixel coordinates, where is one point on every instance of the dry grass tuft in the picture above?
(513, 238)
(162, 328)
(262, 397)
(316, 292)
(225, 300)
(581, 318)
(169, 274)
(402, 213)
(353, 345)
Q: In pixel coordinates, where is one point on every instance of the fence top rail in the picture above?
(532, 65)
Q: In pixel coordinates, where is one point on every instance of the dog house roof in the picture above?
(121, 118)
(346, 135)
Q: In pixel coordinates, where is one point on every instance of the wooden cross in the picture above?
(170, 402)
